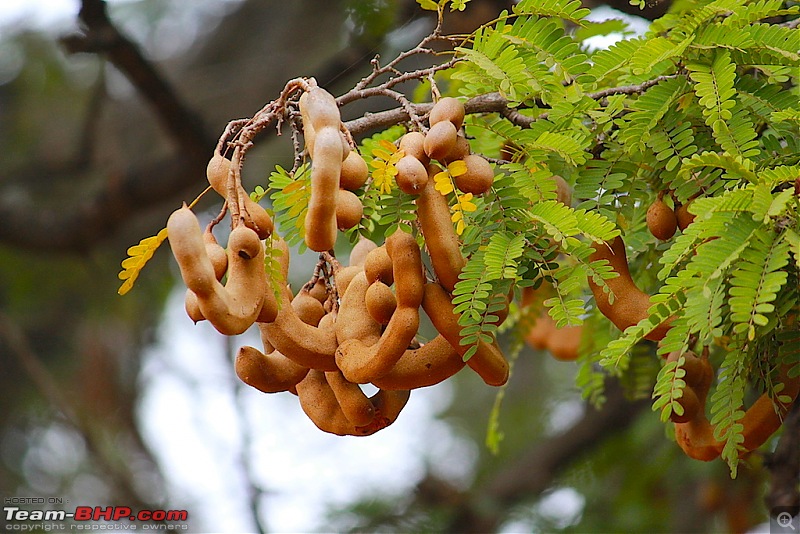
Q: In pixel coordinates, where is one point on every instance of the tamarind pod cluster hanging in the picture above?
(696, 435)
(363, 363)
(350, 325)
(231, 308)
(630, 303)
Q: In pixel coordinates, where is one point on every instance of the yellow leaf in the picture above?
(457, 167)
(381, 155)
(388, 146)
(442, 183)
(139, 255)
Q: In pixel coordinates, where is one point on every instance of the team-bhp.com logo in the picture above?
(93, 518)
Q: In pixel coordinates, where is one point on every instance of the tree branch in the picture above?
(533, 472)
(102, 37)
(784, 464)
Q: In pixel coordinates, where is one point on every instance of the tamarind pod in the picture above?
(440, 140)
(192, 307)
(319, 290)
(488, 361)
(308, 309)
(413, 144)
(354, 321)
(563, 190)
(447, 109)
(321, 406)
(380, 302)
(411, 175)
(696, 369)
(696, 436)
(355, 405)
(388, 405)
(690, 404)
(217, 254)
(306, 345)
(232, 308)
(683, 217)
(460, 150)
(661, 220)
(765, 416)
(478, 178)
(563, 343)
(349, 209)
(432, 363)
(320, 221)
(361, 363)
(270, 373)
(217, 173)
(441, 240)
(540, 331)
(354, 172)
(344, 276)
(630, 303)
(360, 250)
(378, 266)
(320, 108)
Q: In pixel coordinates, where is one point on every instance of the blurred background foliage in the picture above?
(76, 135)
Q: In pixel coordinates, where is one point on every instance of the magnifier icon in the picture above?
(785, 520)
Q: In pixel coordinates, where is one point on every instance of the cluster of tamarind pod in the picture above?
(349, 325)
(694, 432)
(358, 324)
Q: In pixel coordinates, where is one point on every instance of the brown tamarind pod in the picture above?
(388, 405)
(219, 260)
(696, 436)
(344, 276)
(563, 343)
(354, 172)
(355, 405)
(479, 176)
(433, 214)
(378, 266)
(231, 308)
(563, 190)
(630, 303)
(360, 250)
(349, 210)
(308, 309)
(432, 363)
(270, 373)
(319, 290)
(217, 173)
(411, 175)
(540, 331)
(440, 140)
(461, 149)
(361, 363)
(690, 404)
(488, 361)
(765, 416)
(354, 321)
(217, 254)
(320, 107)
(321, 406)
(320, 221)
(661, 220)
(413, 144)
(683, 217)
(380, 302)
(306, 345)
(447, 109)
